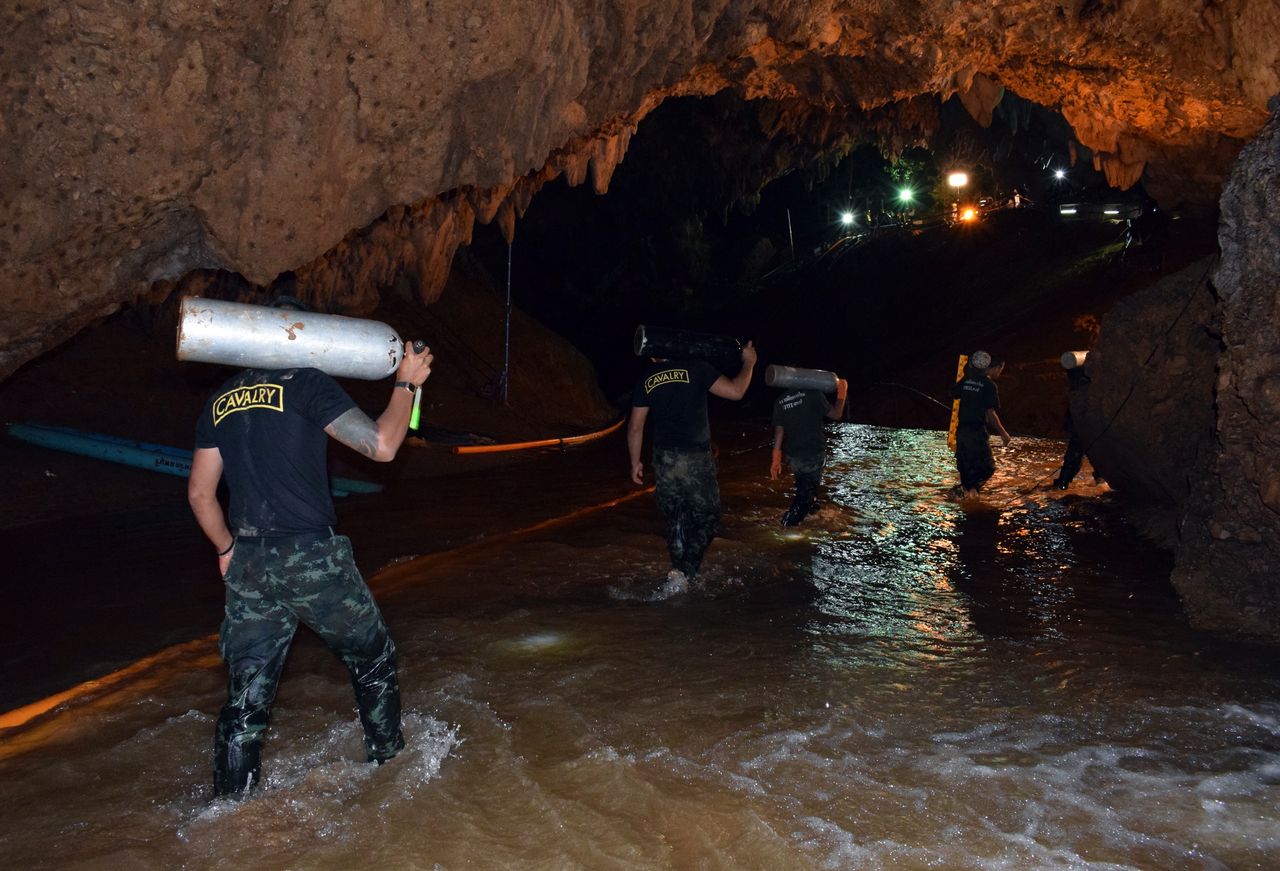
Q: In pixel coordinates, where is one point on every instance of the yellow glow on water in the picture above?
(104, 692)
(541, 641)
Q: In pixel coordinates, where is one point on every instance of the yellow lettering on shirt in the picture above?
(666, 376)
(266, 396)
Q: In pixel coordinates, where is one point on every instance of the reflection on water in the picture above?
(906, 683)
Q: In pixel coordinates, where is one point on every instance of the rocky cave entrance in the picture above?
(315, 120)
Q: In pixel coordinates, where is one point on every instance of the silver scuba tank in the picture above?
(789, 377)
(261, 337)
(1073, 359)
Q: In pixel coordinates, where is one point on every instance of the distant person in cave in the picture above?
(283, 564)
(674, 393)
(978, 417)
(1077, 380)
(1149, 231)
(798, 416)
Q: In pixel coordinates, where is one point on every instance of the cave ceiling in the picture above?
(353, 140)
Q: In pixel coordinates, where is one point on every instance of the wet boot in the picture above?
(377, 691)
(675, 544)
(242, 724)
(237, 766)
(1071, 461)
(806, 498)
(676, 584)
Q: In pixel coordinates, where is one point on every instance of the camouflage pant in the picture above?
(271, 585)
(808, 472)
(1071, 461)
(973, 456)
(689, 498)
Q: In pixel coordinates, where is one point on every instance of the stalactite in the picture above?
(132, 154)
(981, 98)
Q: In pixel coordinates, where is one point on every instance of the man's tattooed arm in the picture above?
(357, 431)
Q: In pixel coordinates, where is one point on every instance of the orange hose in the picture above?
(201, 653)
(540, 443)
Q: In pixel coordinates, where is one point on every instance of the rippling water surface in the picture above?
(905, 683)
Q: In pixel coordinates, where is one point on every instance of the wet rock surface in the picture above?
(1230, 546)
(1146, 414)
(1183, 412)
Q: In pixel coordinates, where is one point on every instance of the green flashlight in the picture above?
(416, 415)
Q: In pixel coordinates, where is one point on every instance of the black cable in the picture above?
(464, 345)
(485, 380)
(920, 393)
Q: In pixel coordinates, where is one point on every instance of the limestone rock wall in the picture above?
(140, 140)
(1182, 414)
(1146, 415)
(1229, 550)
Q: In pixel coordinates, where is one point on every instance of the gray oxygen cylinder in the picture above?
(791, 377)
(261, 337)
(724, 352)
(1073, 359)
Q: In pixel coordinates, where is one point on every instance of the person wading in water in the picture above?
(267, 431)
(798, 416)
(687, 491)
(979, 404)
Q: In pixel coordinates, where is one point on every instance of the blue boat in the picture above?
(140, 455)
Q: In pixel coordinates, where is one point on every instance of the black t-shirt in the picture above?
(269, 428)
(976, 393)
(801, 414)
(676, 393)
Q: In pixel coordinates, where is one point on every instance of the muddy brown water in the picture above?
(905, 683)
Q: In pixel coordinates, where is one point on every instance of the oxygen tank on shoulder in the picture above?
(263, 337)
(792, 377)
(1073, 359)
(724, 352)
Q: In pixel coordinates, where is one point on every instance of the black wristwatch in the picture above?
(407, 385)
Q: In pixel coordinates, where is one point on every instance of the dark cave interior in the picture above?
(718, 222)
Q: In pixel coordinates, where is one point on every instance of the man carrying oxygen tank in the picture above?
(978, 416)
(675, 391)
(281, 563)
(798, 416)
